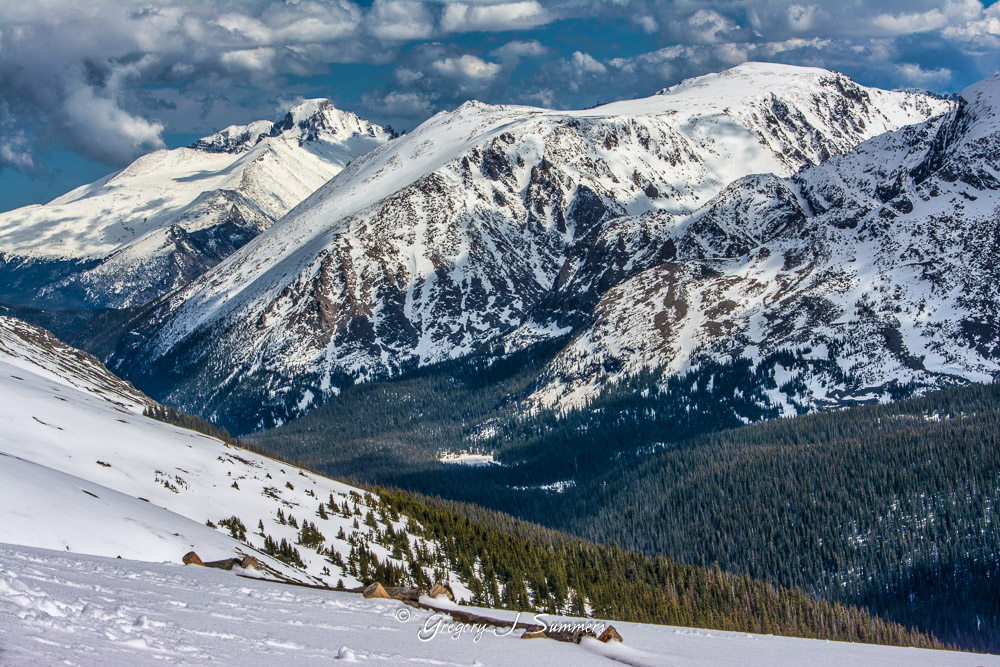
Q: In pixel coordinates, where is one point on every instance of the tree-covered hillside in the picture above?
(508, 563)
(890, 507)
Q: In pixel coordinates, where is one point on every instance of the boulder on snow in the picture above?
(376, 590)
(406, 593)
(225, 563)
(247, 562)
(571, 635)
(609, 635)
(191, 558)
(250, 563)
(439, 589)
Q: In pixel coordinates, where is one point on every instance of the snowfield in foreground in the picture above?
(81, 471)
(89, 610)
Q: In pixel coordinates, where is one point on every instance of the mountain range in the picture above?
(487, 223)
(876, 268)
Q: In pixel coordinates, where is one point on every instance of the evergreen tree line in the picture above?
(884, 507)
(532, 568)
(509, 563)
(889, 507)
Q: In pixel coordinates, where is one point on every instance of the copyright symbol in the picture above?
(402, 614)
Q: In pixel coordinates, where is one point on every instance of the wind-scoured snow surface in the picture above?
(171, 214)
(456, 233)
(82, 471)
(42, 355)
(59, 608)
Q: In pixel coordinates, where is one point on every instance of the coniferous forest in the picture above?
(887, 507)
(509, 563)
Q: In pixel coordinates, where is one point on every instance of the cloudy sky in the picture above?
(88, 85)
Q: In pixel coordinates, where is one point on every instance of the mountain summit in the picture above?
(310, 120)
(869, 276)
(170, 215)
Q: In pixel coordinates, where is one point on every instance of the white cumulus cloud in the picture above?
(923, 78)
(519, 49)
(105, 130)
(463, 17)
(466, 68)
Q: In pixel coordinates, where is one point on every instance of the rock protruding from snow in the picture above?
(235, 138)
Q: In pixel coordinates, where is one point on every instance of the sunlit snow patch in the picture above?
(468, 459)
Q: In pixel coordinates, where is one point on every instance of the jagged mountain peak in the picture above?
(308, 120)
(314, 116)
(235, 138)
(306, 109)
(171, 214)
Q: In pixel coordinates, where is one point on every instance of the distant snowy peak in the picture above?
(170, 215)
(755, 78)
(754, 81)
(804, 114)
(751, 72)
(308, 120)
(311, 117)
(235, 138)
(867, 277)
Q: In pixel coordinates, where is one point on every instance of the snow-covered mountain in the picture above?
(170, 215)
(83, 471)
(66, 608)
(455, 234)
(876, 269)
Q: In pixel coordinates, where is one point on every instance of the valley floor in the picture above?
(86, 610)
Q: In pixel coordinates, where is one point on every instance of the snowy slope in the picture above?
(85, 610)
(81, 471)
(172, 214)
(38, 352)
(450, 236)
(877, 269)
